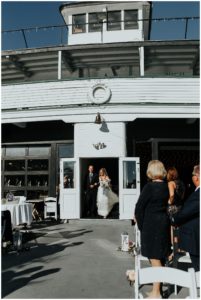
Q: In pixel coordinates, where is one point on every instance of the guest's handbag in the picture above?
(173, 209)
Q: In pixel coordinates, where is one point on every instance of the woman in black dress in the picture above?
(152, 219)
(176, 197)
(176, 187)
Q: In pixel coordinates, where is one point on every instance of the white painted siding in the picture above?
(88, 136)
(123, 91)
(105, 37)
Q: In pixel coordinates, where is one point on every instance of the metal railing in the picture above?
(182, 28)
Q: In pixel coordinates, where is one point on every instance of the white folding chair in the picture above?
(138, 256)
(197, 277)
(50, 207)
(182, 259)
(165, 274)
(178, 256)
(22, 199)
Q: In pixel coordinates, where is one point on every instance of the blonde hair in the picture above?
(156, 170)
(104, 172)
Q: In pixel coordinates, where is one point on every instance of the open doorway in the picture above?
(112, 167)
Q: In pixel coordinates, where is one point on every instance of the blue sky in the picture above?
(24, 14)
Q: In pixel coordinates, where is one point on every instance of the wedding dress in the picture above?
(106, 198)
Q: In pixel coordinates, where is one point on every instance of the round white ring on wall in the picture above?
(100, 93)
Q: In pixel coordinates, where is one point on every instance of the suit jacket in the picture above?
(188, 220)
(94, 179)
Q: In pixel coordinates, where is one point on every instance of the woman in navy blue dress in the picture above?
(152, 219)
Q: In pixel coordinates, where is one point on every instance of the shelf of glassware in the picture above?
(26, 175)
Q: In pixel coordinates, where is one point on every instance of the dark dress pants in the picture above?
(91, 208)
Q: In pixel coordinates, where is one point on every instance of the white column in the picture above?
(59, 64)
(122, 20)
(141, 54)
(140, 23)
(87, 21)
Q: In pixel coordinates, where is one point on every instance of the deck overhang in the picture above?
(21, 65)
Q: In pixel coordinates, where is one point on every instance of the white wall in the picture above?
(130, 90)
(87, 135)
(130, 98)
(105, 37)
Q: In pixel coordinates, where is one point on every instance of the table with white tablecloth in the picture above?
(20, 213)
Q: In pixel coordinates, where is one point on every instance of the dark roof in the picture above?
(70, 4)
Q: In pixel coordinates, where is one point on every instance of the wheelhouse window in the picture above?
(95, 22)
(79, 23)
(131, 19)
(114, 20)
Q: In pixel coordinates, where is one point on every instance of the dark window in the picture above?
(14, 165)
(114, 20)
(33, 170)
(39, 150)
(24, 174)
(38, 164)
(131, 19)
(66, 151)
(79, 23)
(129, 175)
(37, 180)
(12, 181)
(15, 151)
(96, 21)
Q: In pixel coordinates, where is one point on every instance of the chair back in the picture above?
(168, 275)
(137, 237)
(50, 199)
(197, 277)
(22, 199)
(137, 250)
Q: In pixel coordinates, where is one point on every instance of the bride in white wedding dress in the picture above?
(106, 198)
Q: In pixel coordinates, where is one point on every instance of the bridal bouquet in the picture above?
(104, 183)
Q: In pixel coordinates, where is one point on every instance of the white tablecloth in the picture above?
(20, 213)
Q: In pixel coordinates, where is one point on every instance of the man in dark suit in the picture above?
(188, 220)
(91, 185)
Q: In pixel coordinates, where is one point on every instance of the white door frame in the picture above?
(70, 197)
(128, 192)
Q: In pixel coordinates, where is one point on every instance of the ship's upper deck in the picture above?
(161, 59)
(112, 41)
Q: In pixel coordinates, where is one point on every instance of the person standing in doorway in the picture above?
(91, 184)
